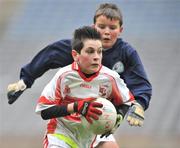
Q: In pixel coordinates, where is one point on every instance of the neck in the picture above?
(88, 75)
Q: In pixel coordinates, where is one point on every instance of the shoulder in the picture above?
(65, 43)
(58, 48)
(125, 46)
(64, 70)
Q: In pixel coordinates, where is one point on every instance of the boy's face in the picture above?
(109, 30)
(89, 59)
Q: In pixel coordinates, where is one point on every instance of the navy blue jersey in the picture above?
(121, 57)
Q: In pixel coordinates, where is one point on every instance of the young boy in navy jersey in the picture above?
(117, 55)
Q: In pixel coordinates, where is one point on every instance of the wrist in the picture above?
(75, 106)
(21, 85)
(70, 108)
(140, 103)
(143, 101)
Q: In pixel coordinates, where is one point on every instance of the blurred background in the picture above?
(151, 26)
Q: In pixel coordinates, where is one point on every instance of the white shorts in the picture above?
(98, 139)
(54, 142)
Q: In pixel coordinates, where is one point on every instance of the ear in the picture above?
(120, 29)
(75, 55)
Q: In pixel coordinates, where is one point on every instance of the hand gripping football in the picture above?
(106, 121)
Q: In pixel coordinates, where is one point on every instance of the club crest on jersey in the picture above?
(118, 67)
(104, 90)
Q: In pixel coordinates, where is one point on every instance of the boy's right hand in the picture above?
(15, 90)
(88, 108)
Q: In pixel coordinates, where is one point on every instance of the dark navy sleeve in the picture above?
(137, 80)
(53, 56)
(124, 59)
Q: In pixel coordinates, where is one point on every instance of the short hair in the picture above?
(82, 34)
(109, 10)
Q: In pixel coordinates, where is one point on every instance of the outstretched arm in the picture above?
(138, 83)
(53, 56)
(136, 79)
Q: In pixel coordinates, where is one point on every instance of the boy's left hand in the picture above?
(135, 115)
(88, 108)
(14, 90)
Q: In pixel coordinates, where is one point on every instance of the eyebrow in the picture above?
(90, 47)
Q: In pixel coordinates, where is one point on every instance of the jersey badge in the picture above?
(118, 67)
(104, 90)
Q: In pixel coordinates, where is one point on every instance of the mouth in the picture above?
(106, 39)
(95, 65)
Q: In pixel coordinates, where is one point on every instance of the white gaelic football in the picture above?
(106, 121)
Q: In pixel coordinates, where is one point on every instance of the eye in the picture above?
(113, 27)
(101, 26)
(90, 50)
(99, 51)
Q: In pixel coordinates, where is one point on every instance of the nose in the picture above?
(97, 56)
(107, 30)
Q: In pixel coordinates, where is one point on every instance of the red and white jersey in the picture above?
(70, 84)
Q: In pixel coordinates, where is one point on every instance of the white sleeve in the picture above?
(47, 98)
(123, 93)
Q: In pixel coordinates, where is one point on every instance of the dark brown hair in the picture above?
(82, 34)
(109, 10)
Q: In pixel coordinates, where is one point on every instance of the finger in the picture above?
(136, 122)
(96, 111)
(129, 118)
(89, 119)
(131, 122)
(140, 123)
(92, 115)
(96, 104)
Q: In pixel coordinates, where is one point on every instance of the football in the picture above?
(106, 121)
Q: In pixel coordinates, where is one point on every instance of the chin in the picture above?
(107, 45)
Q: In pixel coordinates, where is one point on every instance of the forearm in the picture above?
(29, 73)
(57, 111)
(41, 63)
(85, 107)
(137, 80)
